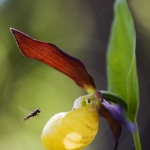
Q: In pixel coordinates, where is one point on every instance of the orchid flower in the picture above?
(77, 128)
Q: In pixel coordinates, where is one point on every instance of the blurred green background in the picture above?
(80, 28)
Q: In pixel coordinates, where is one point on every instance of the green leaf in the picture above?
(112, 97)
(132, 91)
(121, 62)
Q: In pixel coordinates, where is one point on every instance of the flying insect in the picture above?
(32, 114)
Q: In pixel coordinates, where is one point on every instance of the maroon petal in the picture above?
(56, 58)
(114, 114)
(117, 112)
(114, 125)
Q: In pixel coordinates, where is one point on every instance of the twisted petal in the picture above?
(56, 58)
(117, 113)
(115, 117)
(115, 126)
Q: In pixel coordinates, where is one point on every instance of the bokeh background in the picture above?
(80, 28)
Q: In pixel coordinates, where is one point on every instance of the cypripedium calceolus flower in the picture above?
(72, 130)
(77, 128)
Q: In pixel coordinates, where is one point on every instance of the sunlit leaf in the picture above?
(132, 91)
(56, 58)
(121, 61)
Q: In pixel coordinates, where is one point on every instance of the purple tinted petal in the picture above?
(115, 126)
(117, 113)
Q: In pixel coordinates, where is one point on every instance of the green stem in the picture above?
(137, 139)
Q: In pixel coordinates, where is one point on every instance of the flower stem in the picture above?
(137, 139)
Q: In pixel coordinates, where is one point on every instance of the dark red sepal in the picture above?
(56, 58)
